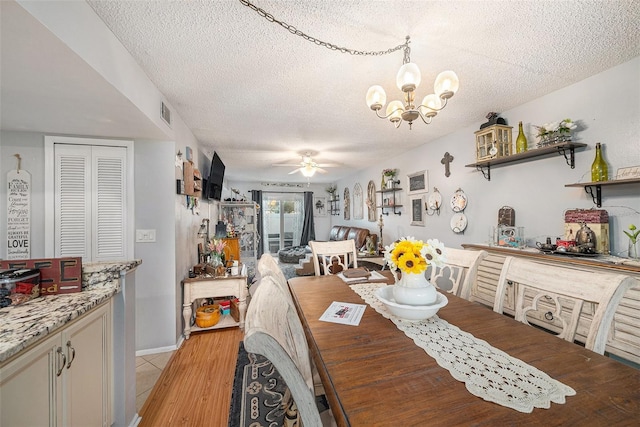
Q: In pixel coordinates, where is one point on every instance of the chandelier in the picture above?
(407, 80)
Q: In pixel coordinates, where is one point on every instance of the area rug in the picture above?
(258, 392)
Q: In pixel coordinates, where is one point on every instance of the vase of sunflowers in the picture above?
(412, 257)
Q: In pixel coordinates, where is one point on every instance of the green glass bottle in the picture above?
(521, 141)
(599, 168)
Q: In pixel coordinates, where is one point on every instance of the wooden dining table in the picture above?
(374, 375)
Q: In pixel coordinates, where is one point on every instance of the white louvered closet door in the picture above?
(90, 202)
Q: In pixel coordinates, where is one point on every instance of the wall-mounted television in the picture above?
(216, 176)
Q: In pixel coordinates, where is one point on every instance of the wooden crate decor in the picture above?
(57, 275)
(493, 142)
(596, 219)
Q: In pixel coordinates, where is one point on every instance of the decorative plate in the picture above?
(435, 200)
(458, 222)
(458, 201)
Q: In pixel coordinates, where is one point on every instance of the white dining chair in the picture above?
(268, 266)
(564, 296)
(274, 330)
(459, 271)
(333, 255)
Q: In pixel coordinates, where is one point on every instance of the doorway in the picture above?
(283, 217)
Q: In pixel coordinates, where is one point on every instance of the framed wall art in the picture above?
(358, 202)
(320, 206)
(417, 183)
(347, 205)
(371, 201)
(417, 210)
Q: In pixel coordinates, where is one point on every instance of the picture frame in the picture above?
(417, 183)
(630, 172)
(320, 206)
(358, 202)
(417, 210)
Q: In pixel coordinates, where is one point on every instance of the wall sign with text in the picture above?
(18, 214)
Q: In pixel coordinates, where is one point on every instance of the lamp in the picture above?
(407, 80)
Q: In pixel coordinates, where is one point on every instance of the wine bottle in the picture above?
(599, 168)
(521, 141)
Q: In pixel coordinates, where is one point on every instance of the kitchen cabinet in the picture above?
(624, 336)
(64, 380)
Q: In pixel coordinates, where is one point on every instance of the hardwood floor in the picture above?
(195, 387)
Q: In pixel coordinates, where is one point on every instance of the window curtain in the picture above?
(308, 230)
(256, 196)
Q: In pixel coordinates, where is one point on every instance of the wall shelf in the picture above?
(594, 189)
(391, 191)
(567, 149)
(334, 205)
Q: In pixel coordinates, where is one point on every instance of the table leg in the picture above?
(187, 311)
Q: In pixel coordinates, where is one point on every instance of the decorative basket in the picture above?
(207, 315)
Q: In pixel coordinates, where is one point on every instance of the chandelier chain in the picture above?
(293, 30)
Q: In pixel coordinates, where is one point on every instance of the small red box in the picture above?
(57, 275)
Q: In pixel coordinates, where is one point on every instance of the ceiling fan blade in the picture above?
(294, 171)
(287, 164)
(328, 165)
(321, 170)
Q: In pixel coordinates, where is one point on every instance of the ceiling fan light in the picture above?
(395, 110)
(408, 77)
(376, 97)
(446, 84)
(308, 171)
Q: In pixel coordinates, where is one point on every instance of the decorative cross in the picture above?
(448, 158)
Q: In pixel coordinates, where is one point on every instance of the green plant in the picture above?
(632, 233)
(389, 172)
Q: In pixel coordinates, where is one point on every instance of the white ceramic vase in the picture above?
(414, 289)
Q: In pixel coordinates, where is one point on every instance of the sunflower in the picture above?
(414, 256)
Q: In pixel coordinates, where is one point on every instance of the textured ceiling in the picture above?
(259, 95)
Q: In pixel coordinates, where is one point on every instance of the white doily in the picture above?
(486, 371)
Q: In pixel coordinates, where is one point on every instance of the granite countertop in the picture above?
(27, 323)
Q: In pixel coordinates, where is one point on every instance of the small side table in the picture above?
(211, 288)
(375, 259)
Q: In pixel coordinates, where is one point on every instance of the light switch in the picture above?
(145, 236)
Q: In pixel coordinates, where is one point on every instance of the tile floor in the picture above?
(148, 370)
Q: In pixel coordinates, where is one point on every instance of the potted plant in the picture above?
(633, 241)
(332, 191)
(388, 175)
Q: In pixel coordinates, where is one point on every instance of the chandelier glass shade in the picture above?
(408, 79)
(308, 170)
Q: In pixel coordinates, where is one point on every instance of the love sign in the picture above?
(18, 214)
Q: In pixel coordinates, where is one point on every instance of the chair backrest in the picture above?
(561, 294)
(268, 266)
(341, 254)
(273, 329)
(459, 272)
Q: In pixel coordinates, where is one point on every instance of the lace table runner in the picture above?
(487, 372)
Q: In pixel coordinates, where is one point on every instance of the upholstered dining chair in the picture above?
(268, 266)
(274, 330)
(564, 296)
(333, 256)
(459, 272)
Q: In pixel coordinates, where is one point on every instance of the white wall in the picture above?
(607, 107)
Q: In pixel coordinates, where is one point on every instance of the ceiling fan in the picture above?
(308, 167)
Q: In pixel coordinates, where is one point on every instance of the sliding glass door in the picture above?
(283, 216)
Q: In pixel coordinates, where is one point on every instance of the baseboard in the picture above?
(135, 421)
(149, 351)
